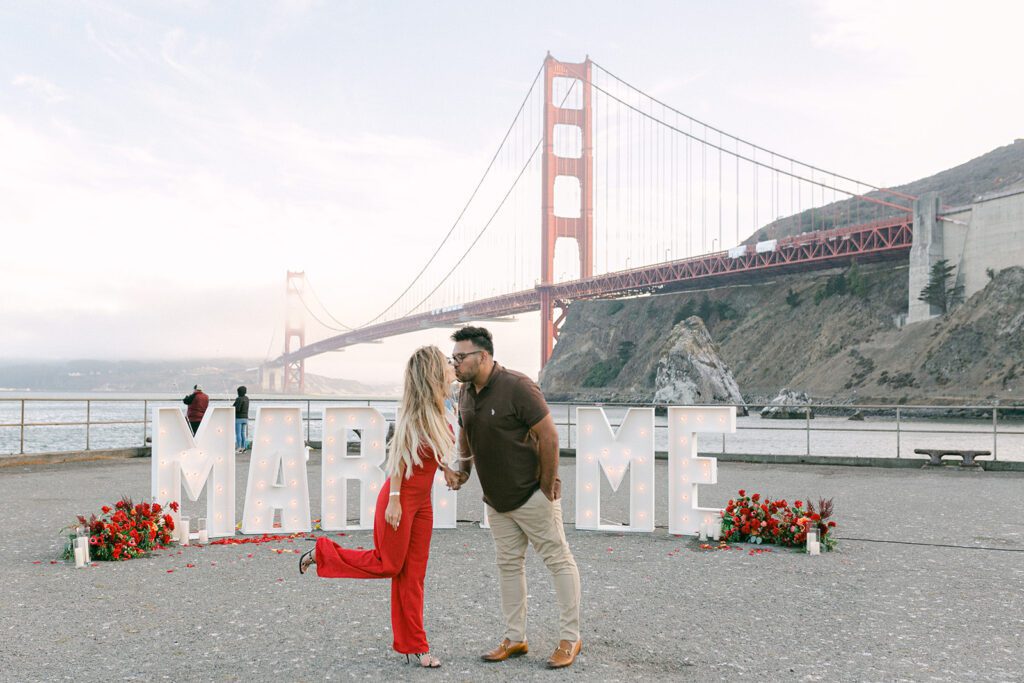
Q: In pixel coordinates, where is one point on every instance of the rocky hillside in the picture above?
(832, 334)
(1000, 169)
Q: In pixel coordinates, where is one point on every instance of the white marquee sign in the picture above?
(339, 467)
(687, 471)
(204, 460)
(278, 490)
(601, 451)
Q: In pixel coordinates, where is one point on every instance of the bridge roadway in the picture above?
(885, 239)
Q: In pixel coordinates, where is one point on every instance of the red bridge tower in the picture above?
(578, 224)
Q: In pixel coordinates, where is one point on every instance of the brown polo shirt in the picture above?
(497, 422)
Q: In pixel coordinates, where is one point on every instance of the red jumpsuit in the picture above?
(400, 555)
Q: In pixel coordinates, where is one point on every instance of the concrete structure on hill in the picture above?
(988, 234)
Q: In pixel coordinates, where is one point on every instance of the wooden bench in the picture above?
(936, 455)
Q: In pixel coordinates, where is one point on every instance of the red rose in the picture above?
(799, 504)
(105, 508)
(831, 524)
(756, 497)
(742, 493)
(174, 506)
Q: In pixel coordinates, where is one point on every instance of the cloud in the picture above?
(40, 87)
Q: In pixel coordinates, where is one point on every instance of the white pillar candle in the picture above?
(204, 536)
(79, 555)
(813, 544)
(703, 531)
(183, 531)
(716, 530)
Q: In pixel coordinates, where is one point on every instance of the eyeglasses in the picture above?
(459, 357)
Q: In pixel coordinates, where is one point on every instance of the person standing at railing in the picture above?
(197, 403)
(241, 405)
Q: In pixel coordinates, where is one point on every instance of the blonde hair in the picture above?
(421, 417)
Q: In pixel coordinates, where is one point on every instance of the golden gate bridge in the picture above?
(633, 197)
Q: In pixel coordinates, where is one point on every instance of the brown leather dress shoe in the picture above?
(505, 649)
(565, 654)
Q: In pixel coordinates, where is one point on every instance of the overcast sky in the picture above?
(163, 164)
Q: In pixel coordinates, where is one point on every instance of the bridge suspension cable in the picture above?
(709, 127)
(469, 201)
(493, 215)
(342, 327)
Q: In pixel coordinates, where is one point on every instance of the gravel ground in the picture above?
(655, 607)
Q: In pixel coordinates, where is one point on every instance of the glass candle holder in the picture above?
(80, 546)
(82, 536)
(204, 535)
(184, 531)
(813, 542)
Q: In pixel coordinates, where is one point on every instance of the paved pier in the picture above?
(656, 607)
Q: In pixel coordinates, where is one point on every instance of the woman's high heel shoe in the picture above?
(306, 560)
(425, 659)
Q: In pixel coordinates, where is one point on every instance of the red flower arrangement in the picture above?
(125, 531)
(754, 519)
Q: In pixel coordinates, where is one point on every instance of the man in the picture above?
(508, 432)
(197, 403)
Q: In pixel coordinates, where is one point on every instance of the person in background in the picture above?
(241, 405)
(197, 403)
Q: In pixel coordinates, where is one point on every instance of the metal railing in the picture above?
(904, 414)
(907, 419)
(90, 422)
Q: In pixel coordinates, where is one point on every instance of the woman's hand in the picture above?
(393, 513)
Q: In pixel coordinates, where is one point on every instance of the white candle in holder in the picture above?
(716, 530)
(183, 531)
(81, 543)
(204, 534)
(704, 531)
(79, 555)
(813, 544)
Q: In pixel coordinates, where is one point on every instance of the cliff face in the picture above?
(831, 334)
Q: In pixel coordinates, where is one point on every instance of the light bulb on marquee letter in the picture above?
(277, 474)
(687, 471)
(631, 447)
(339, 466)
(206, 458)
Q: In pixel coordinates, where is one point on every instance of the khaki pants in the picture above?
(538, 521)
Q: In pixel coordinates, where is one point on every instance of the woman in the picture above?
(404, 519)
